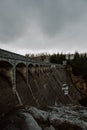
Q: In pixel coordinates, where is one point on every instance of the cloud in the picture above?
(59, 25)
(13, 20)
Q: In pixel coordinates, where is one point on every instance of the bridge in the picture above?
(11, 62)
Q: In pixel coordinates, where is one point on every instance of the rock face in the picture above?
(54, 118)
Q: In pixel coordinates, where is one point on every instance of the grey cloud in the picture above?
(42, 24)
(51, 15)
(13, 20)
(55, 16)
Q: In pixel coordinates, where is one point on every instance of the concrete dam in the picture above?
(26, 82)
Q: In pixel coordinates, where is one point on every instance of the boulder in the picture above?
(49, 128)
(38, 114)
(31, 124)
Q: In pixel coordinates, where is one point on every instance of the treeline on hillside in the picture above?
(57, 58)
(78, 62)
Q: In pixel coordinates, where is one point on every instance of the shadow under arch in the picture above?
(21, 70)
(7, 98)
(31, 68)
(5, 71)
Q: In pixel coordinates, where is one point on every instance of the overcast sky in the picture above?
(33, 26)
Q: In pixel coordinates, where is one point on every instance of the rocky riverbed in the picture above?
(51, 118)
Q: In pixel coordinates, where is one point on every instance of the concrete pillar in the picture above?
(41, 69)
(14, 78)
(27, 74)
(44, 69)
(37, 69)
(14, 84)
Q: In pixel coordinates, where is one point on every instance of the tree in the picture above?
(53, 58)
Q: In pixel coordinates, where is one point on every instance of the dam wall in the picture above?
(43, 89)
(24, 81)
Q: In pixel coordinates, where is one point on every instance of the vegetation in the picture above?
(79, 64)
(57, 58)
(39, 57)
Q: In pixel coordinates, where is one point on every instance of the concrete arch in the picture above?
(5, 63)
(20, 63)
(41, 68)
(40, 65)
(22, 69)
(31, 65)
(5, 66)
(37, 65)
(31, 68)
(37, 68)
(6, 70)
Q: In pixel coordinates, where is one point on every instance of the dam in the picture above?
(36, 95)
(24, 81)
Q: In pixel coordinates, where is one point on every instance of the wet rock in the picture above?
(39, 114)
(84, 116)
(56, 118)
(30, 122)
(19, 121)
(65, 117)
(49, 128)
(67, 126)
